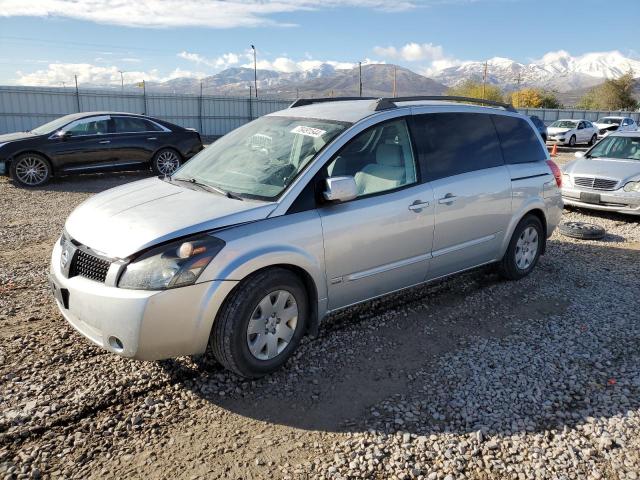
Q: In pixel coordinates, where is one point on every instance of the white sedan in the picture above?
(608, 125)
(572, 132)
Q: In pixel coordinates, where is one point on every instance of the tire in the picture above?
(572, 141)
(31, 170)
(166, 161)
(522, 254)
(581, 230)
(240, 350)
(593, 140)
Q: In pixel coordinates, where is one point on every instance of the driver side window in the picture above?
(89, 126)
(380, 159)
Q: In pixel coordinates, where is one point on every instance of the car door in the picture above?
(136, 139)
(380, 241)
(581, 133)
(461, 157)
(84, 144)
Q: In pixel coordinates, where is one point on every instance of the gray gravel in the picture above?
(471, 377)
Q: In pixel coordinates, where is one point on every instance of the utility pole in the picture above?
(121, 81)
(144, 96)
(200, 107)
(484, 81)
(63, 85)
(519, 79)
(395, 90)
(250, 105)
(255, 71)
(77, 92)
(360, 76)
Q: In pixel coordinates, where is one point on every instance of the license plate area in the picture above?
(60, 294)
(588, 197)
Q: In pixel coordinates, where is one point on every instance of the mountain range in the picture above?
(570, 77)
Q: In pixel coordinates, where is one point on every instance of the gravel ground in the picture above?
(470, 377)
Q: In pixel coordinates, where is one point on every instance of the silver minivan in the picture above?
(300, 213)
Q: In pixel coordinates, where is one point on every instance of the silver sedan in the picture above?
(607, 177)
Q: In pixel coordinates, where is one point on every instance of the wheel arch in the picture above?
(15, 155)
(533, 208)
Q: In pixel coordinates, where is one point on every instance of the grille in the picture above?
(89, 266)
(596, 183)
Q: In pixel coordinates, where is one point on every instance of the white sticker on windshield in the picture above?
(309, 131)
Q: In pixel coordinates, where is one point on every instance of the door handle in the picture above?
(418, 205)
(152, 138)
(448, 199)
(105, 141)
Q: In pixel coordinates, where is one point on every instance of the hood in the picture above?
(557, 130)
(613, 168)
(607, 125)
(124, 220)
(11, 137)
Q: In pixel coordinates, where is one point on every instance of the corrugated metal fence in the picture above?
(23, 108)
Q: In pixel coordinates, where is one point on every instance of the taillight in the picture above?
(556, 172)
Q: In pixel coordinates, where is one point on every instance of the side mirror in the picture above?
(579, 154)
(340, 189)
(62, 135)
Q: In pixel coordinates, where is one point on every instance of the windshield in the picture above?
(261, 159)
(627, 148)
(610, 120)
(564, 124)
(54, 125)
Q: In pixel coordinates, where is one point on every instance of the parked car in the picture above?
(539, 124)
(572, 132)
(299, 213)
(607, 177)
(607, 125)
(95, 141)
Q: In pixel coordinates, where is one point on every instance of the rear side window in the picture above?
(132, 124)
(519, 141)
(454, 143)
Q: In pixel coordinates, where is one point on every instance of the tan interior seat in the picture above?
(386, 174)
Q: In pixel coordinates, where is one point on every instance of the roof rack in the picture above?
(387, 103)
(301, 102)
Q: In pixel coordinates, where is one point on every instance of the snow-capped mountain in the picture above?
(556, 70)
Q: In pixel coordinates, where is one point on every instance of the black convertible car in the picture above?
(95, 141)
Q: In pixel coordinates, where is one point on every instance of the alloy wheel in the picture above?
(32, 170)
(272, 325)
(527, 248)
(167, 162)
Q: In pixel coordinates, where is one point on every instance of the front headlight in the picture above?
(566, 179)
(172, 265)
(632, 187)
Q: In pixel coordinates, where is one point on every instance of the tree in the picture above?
(533, 98)
(472, 89)
(613, 94)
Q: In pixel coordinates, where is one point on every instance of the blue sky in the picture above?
(47, 41)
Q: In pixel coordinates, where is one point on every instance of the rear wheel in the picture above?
(572, 141)
(166, 162)
(31, 170)
(524, 249)
(261, 323)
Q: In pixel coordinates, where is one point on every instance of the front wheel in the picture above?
(31, 170)
(166, 161)
(593, 140)
(524, 249)
(572, 141)
(261, 323)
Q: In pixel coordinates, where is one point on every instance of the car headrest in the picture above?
(389, 155)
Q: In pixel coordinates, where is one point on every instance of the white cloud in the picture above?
(432, 57)
(223, 61)
(57, 73)
(185, 13)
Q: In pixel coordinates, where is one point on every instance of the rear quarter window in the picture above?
(519, 141)
(454, 143)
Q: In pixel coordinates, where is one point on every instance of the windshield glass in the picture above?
(564, 124)
(610, 120)
(54, 125)
(627, 148)
(260, 159)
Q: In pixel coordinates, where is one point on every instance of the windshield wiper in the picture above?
(206, 186)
